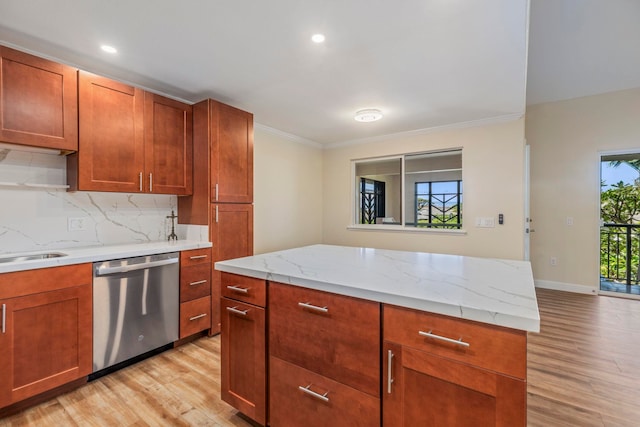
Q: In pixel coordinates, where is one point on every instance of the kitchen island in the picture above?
(373, 337)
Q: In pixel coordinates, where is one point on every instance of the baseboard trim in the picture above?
(567, 287)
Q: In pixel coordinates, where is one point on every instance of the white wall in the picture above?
(566, 139)
(493, 171)
(287, 192)
(36, 219)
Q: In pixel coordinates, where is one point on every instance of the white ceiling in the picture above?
(424, 63)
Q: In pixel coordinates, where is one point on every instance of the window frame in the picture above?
(402, 226)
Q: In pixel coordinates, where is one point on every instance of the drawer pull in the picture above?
(238, 289)
(445, 339)
(199, 316)
(389, 365)
(199, 282)
(236, 311)
(4, 318)
(310, 392)
(324, 309)
(198, 256)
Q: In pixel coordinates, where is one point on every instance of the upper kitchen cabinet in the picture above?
(130, 140)
(38, 102)
(168, 151)
(231, 133)
(111, 153)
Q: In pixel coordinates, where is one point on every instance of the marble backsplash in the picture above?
(37, 213)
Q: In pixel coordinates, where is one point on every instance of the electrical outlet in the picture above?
(569, 220)
(553, 261)
(76, 224)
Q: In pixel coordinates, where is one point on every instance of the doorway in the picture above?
(620, 223)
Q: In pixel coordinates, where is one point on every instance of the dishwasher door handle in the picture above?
(103, 271)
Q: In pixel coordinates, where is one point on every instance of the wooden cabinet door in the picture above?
(231, 154)
(231, 232)
(111, 154)
(168, 145)
(423, 389)
(45, 340)
(243, 358)
(38, 101)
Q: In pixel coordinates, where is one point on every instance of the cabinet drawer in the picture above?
(195, 316)
(243, 288)
(195, 256)
(339, 339)
(195, 282)
(299, 397)
(491, 347)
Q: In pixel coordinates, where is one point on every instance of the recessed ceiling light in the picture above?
(317, 38)
(368, 115)
(109, 49)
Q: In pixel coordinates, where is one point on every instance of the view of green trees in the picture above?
(620, 204)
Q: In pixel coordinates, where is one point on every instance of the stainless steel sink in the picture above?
(31, 257)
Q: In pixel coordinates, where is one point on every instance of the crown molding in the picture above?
(289, 136)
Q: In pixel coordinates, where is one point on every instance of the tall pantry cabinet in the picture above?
(222, 186)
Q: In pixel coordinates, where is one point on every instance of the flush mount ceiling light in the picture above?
(368, 115)
(109, 49)
(317, 38)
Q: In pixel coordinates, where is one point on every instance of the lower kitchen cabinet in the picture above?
(195, 291)
(45, 331)
(440, 371)
(243, 342)
(299, 397)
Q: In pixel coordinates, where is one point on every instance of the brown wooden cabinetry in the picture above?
(444, 371)
(130, 140)
(195, 291)
(325, 357)
(243, 343)
(38, 102)
(45, 330)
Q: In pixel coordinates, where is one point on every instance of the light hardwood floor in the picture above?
(584, 370)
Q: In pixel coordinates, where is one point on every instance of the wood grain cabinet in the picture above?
(38, 102)
(324, 358)
(195, 291)
(130, 140)
(243, 344)
(441, 371)
(45, 330)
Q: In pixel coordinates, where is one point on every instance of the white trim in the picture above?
(567, 287)
(405, 229)
(460, 125)
(287, 135)
(619, 295)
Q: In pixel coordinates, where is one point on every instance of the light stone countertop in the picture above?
(494, 291)
(79, 255)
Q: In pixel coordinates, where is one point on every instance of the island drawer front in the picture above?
(491, 347)
(195, 316)
(291, 406)
(342, 343)
(195, 256)
(245, 289)
(195, 282)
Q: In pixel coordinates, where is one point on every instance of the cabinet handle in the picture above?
(151, 183)
(216, 192)
(4, 318)
(199, 316)
(199, 282)
(389, 365)
(324, 309)
(445, 339)
(236, 311)
(238, 289)
(216, 214)
(140, 177)
(310, 392)
(197, 256)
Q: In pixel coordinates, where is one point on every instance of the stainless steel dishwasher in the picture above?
(135, 308)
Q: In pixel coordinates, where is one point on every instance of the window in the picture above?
(421, 191)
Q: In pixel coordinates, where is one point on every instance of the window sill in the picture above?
(403, 229)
